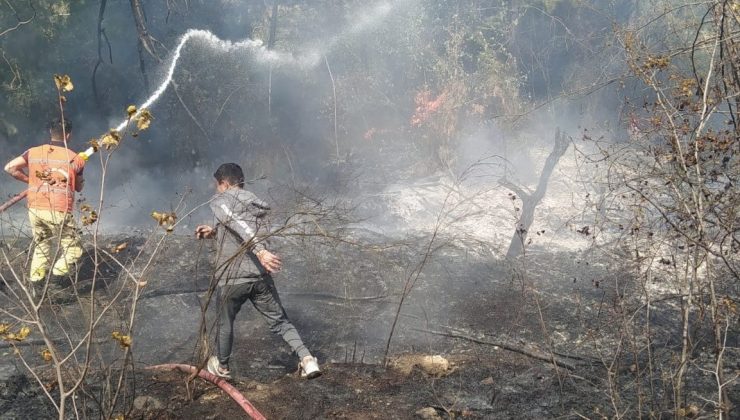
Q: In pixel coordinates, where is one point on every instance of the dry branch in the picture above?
(533, 353)
(190, 113)
(21, 22)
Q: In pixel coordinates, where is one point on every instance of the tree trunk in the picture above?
(531, 200)
(270, 45)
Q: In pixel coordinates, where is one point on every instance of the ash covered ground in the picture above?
(343, 300)
(499, 323)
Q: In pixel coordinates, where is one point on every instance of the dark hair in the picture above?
(57, 128)
(231, 173)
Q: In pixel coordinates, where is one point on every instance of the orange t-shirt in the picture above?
(52, 175)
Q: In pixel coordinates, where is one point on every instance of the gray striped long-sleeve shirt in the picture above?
(241, 232)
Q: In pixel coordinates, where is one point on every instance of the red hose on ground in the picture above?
(8, 204)
(220, 382)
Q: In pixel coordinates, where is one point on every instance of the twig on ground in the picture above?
(506, 346)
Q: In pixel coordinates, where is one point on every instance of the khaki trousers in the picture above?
(49, 229)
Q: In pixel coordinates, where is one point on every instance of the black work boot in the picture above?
(60, 294)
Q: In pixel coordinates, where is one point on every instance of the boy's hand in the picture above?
(270, 261)
(204, 232)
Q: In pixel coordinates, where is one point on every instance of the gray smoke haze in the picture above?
(276, 113)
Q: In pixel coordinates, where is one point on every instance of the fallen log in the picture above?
(220, 382)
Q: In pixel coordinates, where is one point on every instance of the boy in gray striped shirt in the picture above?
(243, 267)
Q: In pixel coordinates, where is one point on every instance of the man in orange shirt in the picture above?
(53, 173)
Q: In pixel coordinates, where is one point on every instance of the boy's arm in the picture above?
(226, 217)
(205, 232)
(233, 222)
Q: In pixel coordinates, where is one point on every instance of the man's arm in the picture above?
(15, 168)
(78, 164)
(79, 182)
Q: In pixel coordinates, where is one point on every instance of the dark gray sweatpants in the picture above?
(265, 299)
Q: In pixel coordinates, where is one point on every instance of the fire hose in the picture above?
(8, 204)
(221, 383)
(20, 196)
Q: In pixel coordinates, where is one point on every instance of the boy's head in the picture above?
(58, 128)
(229, 175)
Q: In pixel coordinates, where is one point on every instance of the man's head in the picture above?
(229, 175)
(58, 128)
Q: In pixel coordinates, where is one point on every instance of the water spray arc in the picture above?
(311, 59)
(261, 53)
(266, 56)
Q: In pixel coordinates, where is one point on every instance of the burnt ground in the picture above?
(342, 298)
(483, 385)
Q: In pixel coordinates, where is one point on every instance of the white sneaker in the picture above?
(214, 367)
(310, 368)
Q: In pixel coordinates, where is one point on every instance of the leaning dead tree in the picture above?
(530, 200)
(146, 41)
(101, 37)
